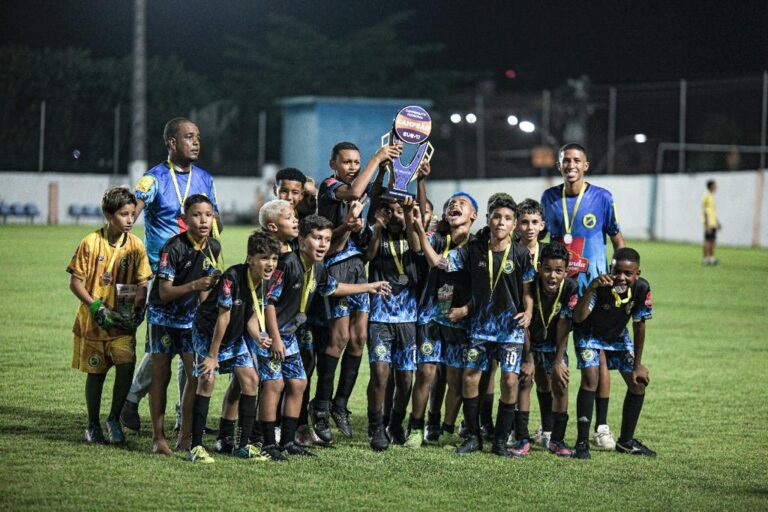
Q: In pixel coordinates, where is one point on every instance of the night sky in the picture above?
(544, 42)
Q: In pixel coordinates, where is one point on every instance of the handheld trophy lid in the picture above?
(412, 125)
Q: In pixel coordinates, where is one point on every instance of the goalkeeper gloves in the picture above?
(102, 315)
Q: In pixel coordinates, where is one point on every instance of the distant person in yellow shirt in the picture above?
(711, 224)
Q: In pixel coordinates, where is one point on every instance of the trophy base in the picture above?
(396, 194)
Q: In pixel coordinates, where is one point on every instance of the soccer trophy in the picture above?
(412, 125)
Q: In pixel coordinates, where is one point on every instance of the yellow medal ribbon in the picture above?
(618, 299)
(212, 261)
(501, 266)
(176, 184)
(448, 244)
(107, 276)
(258, 307)
(541, 309)
(569, 224)
(308, 279)
(536, 257)
(398, 260)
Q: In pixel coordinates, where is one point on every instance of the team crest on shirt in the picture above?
(312, 285)
(587, 355)
(124, 262)
(94, 361)
(557, 308)
(509, 267)
(227, 287)
(145, 183)
(206, 264)
(427, 348)
(589, 221)
(629, 306)
(165, 341)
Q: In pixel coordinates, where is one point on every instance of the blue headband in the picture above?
(465, 194)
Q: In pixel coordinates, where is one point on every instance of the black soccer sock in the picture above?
(227, 428)
(350, 366)
(585, 402)
(560, 424)
(303, 413)
(601, 411)
(199, 415)
(521, 424)
(94, 384)
(448, 429)
(471, 419)
(326, 369)
(416, 423)
(545, 407)
(288, 430)
(268, 429)
(433, 419)
(504, 418)
(375, 418)
(121, 387)
(246, 415)
(486, 410)
(396, 419)
(257, 433)
(633, 404)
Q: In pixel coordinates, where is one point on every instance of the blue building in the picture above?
(313, 124)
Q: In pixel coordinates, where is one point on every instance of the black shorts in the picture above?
(710, 235)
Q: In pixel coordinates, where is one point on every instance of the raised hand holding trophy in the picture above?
(412, 125)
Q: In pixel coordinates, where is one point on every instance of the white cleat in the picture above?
(541, 438)
(604, 438)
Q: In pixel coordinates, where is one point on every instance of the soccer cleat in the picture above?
(129, 416)
(541, 438)
(634, 447)
(487, 431)
(432, 434)
(451, 441)
(273, 452)
(470, 445)
(521, 448)
(396, 435)
(319, 416)
(115, 432)
(249, 451)
(511, 441)
(582, 450)
(94, 435)
(341, 418)
(501, 450)
(463, 430)
(603, 438)
(560, 449)
(415, 438)
(305, 436)
(224, 445)
(199, 455)
(296, 449)
(377, 438)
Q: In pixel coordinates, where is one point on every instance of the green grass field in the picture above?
(705, 413)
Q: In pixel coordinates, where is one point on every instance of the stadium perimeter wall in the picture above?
(742, 199)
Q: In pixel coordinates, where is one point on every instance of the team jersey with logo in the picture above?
(606, 326)
(399, 306)
(443, 290)
(550, 308)
(89, 263)
(594, 219)
(493, 310)
(233, 294)
(335, 210)
(181, 263)
(162, 207)
(286, 296)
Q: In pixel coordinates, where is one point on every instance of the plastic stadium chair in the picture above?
(75, 210)
(5, 211)
(31, 211)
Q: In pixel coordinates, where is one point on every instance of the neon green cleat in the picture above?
(199, 455)
(249, 451)
(415, 438)
(450, 441)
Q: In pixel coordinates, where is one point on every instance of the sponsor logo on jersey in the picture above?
(227, 287)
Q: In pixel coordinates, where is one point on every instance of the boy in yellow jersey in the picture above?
(711, 224)
(108, 274)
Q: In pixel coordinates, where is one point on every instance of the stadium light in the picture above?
(471, 118)
(512, 120)
(527, 126)
(455, 118)
(641, 138)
